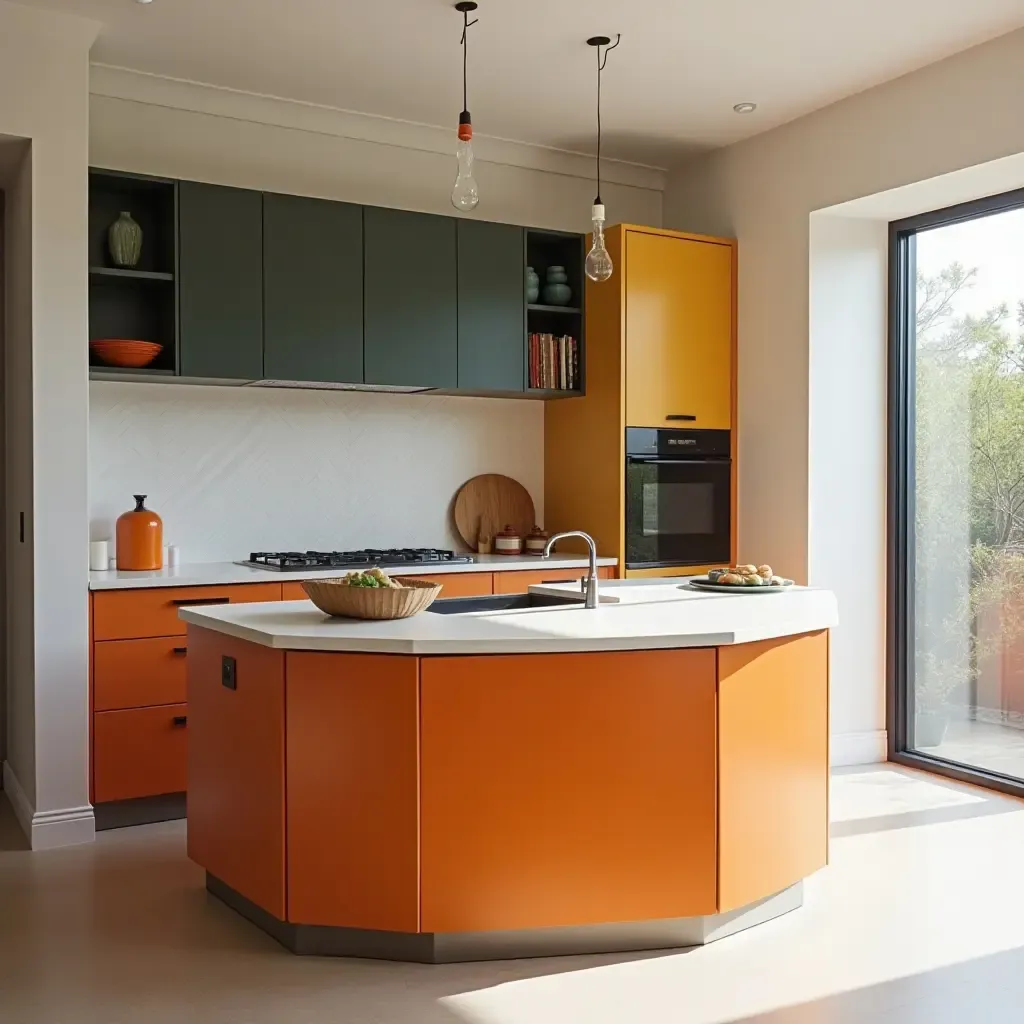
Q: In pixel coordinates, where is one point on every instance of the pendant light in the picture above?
(599, 265)
(465, 193)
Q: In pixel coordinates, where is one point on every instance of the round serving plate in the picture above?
(703, 583)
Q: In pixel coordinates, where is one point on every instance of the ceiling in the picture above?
(669, 89)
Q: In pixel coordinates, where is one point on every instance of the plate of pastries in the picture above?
(747, 579)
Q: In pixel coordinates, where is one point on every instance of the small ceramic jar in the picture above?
(536, 541)
(508, 542)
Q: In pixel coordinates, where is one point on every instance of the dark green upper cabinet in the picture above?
(492, 306)
(313, 290)
(410, 292)
(220, 269)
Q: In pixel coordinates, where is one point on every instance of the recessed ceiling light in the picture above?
(143, 1)
(740, 108)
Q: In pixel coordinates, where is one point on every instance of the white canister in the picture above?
(174, 556)
(99, 555)
(508, 542)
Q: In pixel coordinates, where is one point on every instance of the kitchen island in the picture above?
(650, 773)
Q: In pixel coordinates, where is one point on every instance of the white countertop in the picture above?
(662, 615)
(211, 574)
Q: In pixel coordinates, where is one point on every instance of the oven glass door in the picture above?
(677, 512)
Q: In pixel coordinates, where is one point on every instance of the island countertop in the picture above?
(655, 617)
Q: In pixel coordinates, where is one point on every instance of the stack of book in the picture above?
(554, 362)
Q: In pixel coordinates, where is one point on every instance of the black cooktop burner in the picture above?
(298, 561)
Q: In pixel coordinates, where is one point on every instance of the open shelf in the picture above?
(98, 371)
(536, 307)
(130, 274)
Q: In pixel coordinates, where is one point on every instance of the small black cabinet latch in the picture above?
(228, 672)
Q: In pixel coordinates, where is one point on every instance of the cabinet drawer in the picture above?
(460, 584)
(137, 614)
(138, 673)
(520, 581)
(139, 753)
(455, 584)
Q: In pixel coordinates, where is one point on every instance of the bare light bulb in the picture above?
(466, 192)
(599, 266)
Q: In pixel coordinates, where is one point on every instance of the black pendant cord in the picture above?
(602, 59)
(466, 23)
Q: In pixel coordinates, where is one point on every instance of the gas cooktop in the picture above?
(299, 561)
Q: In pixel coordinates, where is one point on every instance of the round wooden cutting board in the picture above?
(486, 504)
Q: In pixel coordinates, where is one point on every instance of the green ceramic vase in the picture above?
(532, 285)
(556, 288)
(125, 241)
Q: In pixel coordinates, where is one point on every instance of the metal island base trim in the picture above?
(463, 947)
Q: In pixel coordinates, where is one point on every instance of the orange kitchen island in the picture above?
(652, 773)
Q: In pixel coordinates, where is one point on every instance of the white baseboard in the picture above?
(849, 748)
(46, 830)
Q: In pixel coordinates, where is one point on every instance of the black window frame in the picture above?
(900, 493)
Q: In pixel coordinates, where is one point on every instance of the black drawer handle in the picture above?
(179, 720)
(179, 650)
(682, 416)
(184, 601)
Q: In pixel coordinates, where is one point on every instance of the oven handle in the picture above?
(679, 460)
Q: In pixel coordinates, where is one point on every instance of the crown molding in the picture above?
(180, 94)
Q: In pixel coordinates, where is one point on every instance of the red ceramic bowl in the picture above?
(126, 352)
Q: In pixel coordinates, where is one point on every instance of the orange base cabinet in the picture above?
(454, 584)
(773, 765)
(567, 789)
(236, 765)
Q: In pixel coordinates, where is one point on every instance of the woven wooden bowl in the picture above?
(333, 597)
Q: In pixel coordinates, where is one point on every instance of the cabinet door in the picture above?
(410, 288)
(313, 289)
(220, 267)
(566, 789)
(492, 307)
(679, 323)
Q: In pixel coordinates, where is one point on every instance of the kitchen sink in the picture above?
(501, 603)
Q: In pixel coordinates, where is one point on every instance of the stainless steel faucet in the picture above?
(589, 583)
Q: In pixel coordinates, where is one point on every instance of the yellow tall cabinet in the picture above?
(660, 352)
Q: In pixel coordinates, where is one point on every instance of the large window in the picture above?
(956, 454)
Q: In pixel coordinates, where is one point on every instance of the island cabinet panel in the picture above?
(679, 328)
(492, 306)
(352, 795)
(220, 298)
(137, 614)
(411, 305)
(236, 817)
(313, 289)
(520, 581)
(567, 789)
(773, 766)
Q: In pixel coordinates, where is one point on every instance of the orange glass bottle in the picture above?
(140, 538)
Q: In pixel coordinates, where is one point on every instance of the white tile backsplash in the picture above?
(233, 470)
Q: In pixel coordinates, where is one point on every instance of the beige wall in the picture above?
(958, 113)
(207, 134)
(44, 91)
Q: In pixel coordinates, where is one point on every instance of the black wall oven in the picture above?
(678, 497)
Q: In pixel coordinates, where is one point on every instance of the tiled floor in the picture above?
(998, 748)
(918, 920)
